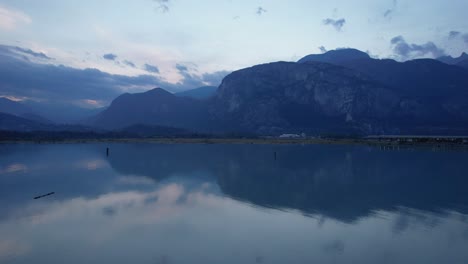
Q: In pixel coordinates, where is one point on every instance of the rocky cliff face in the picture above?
(302, 97)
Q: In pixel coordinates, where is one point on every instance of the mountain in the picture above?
(463, 64)
(12, 107)
(16, 123)
(61, 113)
(285, 97)
(154, 131)
(199, 93)
(360, 96)
(21, 110)
(155, 107)
(336, 56)
(341, 92)
(424, 78)
(453, 61)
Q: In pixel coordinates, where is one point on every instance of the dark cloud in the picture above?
(214, 78)
(109, 211)
(337, 24)
(60, 87)
(129, 63)
(181, 67)
(389, 12)
(457, 34)
(39, 55)
(110, 56)
(465, 38)
(260, 10)
(192, 80)
(23, 53)
(334, 247)
(151, 68)
(163, 5)
(322, 49)
(454, 34)
(48, 82)
(406, 50)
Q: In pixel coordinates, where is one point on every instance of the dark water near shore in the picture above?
(149, 203)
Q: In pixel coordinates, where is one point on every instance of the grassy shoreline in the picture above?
(253, 141)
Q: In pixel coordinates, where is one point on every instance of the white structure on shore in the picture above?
(303, 135)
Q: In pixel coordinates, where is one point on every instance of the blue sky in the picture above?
(160, 37)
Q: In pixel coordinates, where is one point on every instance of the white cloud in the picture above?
(10, 19)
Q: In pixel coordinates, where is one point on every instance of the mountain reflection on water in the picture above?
(341, 182)
(151, 203)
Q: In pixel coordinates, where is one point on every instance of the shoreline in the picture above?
(445, 143)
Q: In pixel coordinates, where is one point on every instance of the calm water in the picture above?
(149, 203)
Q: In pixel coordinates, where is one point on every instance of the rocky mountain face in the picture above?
(293, 97)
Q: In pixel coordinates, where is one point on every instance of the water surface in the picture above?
(150, 203)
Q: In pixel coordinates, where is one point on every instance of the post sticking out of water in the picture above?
(107, 152)
(275, 155)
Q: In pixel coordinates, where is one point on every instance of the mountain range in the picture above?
(340, 92)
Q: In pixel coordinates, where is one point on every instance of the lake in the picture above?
(195, 203)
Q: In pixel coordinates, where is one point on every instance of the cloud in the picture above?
(24, 78)
(28, 52)
(406, 50)
(389, 12)
(151, 68)
(458, 35)
(214, 78)
(194, 80)
(129, 63)
(10, 19)
(454, 34)
(181, 67)
(337, 24)
(163, 5)
(110, 56)
(62, 86)
(260, 10)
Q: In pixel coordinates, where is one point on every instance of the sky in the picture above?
(182, 44)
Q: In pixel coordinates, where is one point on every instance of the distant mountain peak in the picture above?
(453, 60)
(336, 56)
(199, 93)
(157, 89)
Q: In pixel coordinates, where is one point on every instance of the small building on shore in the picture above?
(293, 136)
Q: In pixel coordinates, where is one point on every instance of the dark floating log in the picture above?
(42, 196)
